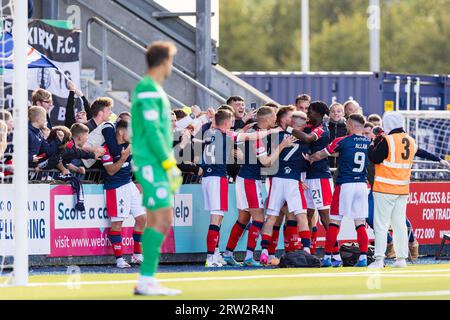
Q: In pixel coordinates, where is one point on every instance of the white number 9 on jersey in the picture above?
(360, 160)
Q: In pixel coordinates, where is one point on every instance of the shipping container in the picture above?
(376, 92)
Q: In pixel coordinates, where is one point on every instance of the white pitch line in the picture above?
(412, 271)
(390, 274)
(322, 275)
(365, 295)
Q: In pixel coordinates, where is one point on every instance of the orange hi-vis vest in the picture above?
(393, 174)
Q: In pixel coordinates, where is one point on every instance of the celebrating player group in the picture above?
(291, 149)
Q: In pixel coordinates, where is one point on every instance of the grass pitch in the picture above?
(414, 282)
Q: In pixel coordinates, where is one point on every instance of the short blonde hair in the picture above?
(299, 114)
(264, 111)
(5, 115)
(78, 129)
(40, 95)
(336, 104)
(221, 116)
(35, 112)
(303, 97)
(346, 103)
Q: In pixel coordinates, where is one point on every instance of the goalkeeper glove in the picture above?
(173, 173)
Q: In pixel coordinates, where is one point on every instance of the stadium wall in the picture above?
(60, 235)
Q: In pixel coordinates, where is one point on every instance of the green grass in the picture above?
(409, 283)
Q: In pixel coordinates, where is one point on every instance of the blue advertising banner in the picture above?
(191, 221)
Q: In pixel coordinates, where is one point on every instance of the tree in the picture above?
(342, 46)
(242, 39)
(415, 37)
(265, 35)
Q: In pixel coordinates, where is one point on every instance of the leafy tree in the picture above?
(342, 46)
(242, 40)
(265, 35)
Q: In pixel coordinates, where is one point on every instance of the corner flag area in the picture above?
(415, 282)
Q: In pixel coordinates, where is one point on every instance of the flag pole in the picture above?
(20, 96)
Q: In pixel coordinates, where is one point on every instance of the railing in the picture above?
(93, 176)
(124, 102)
(107, 58)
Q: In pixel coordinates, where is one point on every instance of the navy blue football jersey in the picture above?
(319, 169)
(291, 161)
(123, 176)
(353, 158)
(251, 169)
(217, 152)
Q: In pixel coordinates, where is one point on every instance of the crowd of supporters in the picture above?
(189, 125)
(77, 145)
(67, 149)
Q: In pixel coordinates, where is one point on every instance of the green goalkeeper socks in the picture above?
(151, 248)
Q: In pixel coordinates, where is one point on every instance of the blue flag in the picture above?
(35, 59)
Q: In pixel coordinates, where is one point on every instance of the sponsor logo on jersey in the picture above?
(161, 193)
(151, 115)
(121, 205)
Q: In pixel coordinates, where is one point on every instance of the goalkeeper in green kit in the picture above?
(154, 165)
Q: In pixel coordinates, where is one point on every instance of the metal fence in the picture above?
(92, 176)
(422, 171)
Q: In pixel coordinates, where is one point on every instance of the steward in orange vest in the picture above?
(393, 156)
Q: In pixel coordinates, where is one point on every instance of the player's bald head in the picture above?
(299, 118)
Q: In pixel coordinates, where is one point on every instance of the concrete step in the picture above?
(88, 73)
(121, 100)
(124, 95)
(134, 17)
(85, 76)
(95, 88)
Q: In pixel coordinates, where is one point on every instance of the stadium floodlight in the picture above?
(373, 23)
(20, 180)
(305, 35)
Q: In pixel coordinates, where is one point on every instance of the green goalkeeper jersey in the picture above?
(151, 125)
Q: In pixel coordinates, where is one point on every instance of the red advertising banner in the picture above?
(75, 233)
(429, 211)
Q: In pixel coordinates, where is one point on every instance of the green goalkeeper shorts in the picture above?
(156, 192)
